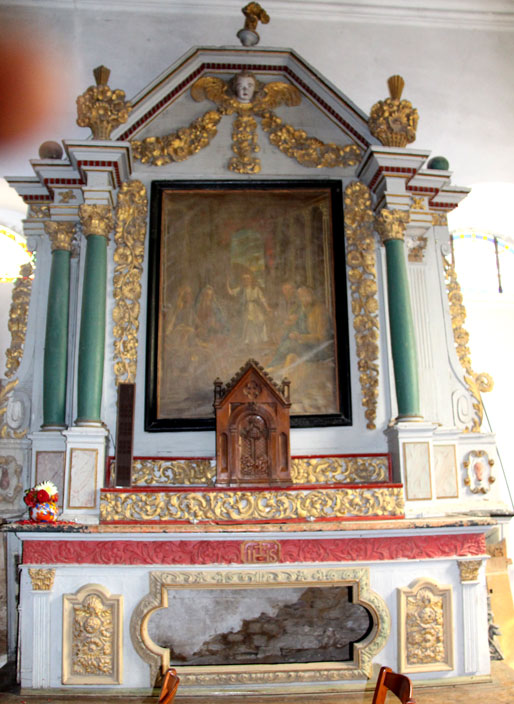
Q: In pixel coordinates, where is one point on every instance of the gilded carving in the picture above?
(100, 108)
(222, 506)
(476, 383)
(173, 472)
(469, 569)
(416, 247)
(92, 637)
(61, 234)
(390, 224)
(439, 219)
(180, 145)
(339, 470)
(362, 274)
(42, 579)
(426, 628)
(96, 219)
(246, 98)
(8, 429)
(254, 13)
(67, 196)
(18, 317)
(129, 238)
(394, 121)
(479, 471)
(358, 578)
(39, 211)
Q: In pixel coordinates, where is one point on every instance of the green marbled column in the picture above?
(92, 331)
(55, 369)
(391, 226)
(97, 223)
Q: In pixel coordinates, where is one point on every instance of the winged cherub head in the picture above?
(244, 85)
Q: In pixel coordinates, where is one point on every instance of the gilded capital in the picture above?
(100, 108)
(469, 570)
(390, 224)
(394, 121)
(96, 219)
(61, 234)
(42, 579)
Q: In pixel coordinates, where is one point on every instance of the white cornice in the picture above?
(466, 14)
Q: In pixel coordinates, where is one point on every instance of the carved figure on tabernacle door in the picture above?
(253, 310)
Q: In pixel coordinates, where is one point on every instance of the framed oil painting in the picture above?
(242, 270)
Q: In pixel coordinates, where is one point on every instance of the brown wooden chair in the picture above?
(169, 687)
(400, 685)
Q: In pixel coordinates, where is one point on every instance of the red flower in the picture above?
(42, 496)
(55, 498)
(29, 499)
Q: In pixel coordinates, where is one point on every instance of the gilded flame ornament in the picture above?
(254, 14)
(100, 108)
(394, 121)
(247, 99)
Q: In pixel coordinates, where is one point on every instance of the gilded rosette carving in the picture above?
(100, 108)
(42, 579)
(96, 219)
(394, 121)
(256, 103)
(363, 652)
(362, 274)
(469, 570)
(390, 224)
(339, 470)
(92, 637)
(477, 383)
(18, 317)
(228, 506)
(426, 627)
(179, 145)
(129, 237)
(61, 234)
(173, 472)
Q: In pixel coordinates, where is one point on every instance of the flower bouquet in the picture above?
(42, 502)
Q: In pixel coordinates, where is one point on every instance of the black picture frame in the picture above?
(186, 217)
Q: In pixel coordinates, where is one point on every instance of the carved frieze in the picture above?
(223, 506)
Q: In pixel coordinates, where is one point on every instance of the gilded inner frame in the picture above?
(290, 674)
(240, 271)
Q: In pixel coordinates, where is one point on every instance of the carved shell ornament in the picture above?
(247, 98)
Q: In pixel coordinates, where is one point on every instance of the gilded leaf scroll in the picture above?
(129, 238)
(476, 383)
(362, 274)
(18, 317)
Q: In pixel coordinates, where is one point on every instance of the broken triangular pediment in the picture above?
(291, 112)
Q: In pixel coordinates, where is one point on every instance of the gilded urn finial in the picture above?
(254, 14)
(394, 121)
(100, 108)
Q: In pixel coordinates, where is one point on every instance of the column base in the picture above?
(86, 449)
